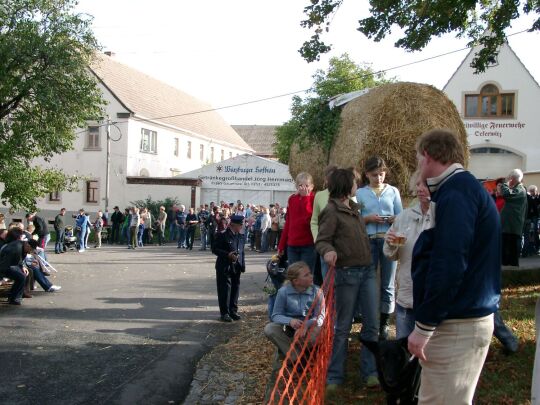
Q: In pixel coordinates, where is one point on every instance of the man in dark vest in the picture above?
(117, 219)
(230, 263)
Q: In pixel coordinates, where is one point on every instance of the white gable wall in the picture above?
(520, 134)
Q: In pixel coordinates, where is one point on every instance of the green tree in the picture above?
(312, 120)
(46, 92)
(422, 20)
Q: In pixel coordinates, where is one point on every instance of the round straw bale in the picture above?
(311, 159)
(387, 121)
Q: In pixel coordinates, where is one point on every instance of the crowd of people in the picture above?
(448, 245)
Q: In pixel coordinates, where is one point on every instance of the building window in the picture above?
(491, 150)
(189, 149)
(201, 153)
(176, 146)
(92, 138)
(222, 154)
(92, 191)
(148, 141)
(212, 154)
(54, 196)
(490, 103)
(230, 155)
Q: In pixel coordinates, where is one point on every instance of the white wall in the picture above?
(510, 76)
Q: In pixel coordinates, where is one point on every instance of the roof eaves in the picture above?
(139, 117)
(110, 91)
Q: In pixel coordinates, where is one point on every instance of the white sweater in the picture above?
(411, 222)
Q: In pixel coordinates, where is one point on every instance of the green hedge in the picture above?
(516, 278)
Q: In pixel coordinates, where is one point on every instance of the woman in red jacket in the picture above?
(296, 236)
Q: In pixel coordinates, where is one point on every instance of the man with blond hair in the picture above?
(456, 274)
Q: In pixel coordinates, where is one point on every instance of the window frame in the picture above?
(188, 154)
(176, 146)
(56, 199)
(488, 96)
(95, 193)
(151, 136)
(201, 152)
(96, 144)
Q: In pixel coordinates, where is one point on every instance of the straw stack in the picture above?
(386, 122)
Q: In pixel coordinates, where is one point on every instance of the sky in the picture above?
(237, 51)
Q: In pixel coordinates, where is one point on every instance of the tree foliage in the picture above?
(312, 120)
(153, 205)
(422, 20)
(46, 92)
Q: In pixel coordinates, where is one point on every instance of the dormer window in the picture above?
(490, 103)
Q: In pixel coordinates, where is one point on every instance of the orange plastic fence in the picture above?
(302, 377)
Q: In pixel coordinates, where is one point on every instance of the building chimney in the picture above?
(110, 53)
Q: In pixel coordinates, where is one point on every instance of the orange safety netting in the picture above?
(302, 377)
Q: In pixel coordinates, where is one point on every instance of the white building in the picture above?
(155, 137)
(500, 112)
(248, 178)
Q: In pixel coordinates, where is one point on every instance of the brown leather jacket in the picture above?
(342, 229)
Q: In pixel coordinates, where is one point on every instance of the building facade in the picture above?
(153, 135)
(500, 112)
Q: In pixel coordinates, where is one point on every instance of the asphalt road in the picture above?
(128, 327)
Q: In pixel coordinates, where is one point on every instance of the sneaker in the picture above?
(372, 381)
(81, 250)
(17, 301)
(54, 288)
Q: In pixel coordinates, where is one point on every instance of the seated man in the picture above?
(11, 257)
(33, 263)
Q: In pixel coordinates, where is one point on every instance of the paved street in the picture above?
(127, 327)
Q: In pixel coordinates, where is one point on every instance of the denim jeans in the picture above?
(16, 274)
(181, 236)
(173, 230)
(503, 333)
(40, 278)
(302, 253)
(264, 241)
(59, 244)
(204, 237)
(404, 321)
(388, 276)
(324, 268)
(82, 238)
(351, 284)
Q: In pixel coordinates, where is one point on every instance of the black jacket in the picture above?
(11, 255)
(117, 218)
(41, 226)
(227, 242)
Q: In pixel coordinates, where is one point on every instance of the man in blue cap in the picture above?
(229, 249)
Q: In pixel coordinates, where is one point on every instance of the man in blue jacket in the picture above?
(456, 274)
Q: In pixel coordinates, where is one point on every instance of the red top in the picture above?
(297, 230)
(499, 202)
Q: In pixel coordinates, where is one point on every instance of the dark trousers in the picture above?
(16, 274)
(503, 333)
(511, 247)
(190, 237)
(59, 244)
(115, 234)
(228, 289)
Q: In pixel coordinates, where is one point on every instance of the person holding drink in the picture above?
(398, 246)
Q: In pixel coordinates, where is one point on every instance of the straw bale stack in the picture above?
(312, 160)
(387, 122)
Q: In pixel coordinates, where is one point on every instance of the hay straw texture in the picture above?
(312, 160)
(387, 122)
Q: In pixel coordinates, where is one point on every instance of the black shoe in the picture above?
(235, 316)
(384, 326)
(17, 301)
(226, 318)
